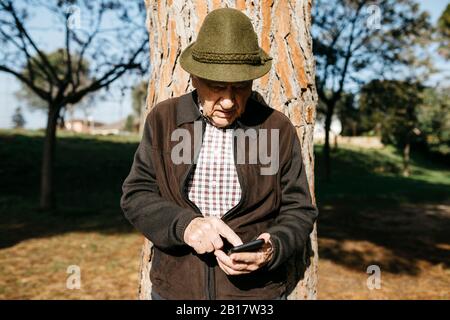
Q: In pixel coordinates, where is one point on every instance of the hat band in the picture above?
(229, 58)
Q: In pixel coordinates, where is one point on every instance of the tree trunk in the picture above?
(48, 154)
(283, 29)
(406, 151)
(353, 129)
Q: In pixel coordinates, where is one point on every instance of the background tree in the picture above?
(356, 40)
(394, 105)
(18, 119)
(138, 96)
(284, 31)
(434, 119)
(57, 61)
(108, 34)
(443, 28)
(130, 122)
(348, 113)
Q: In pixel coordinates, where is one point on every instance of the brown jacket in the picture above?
(155, 202)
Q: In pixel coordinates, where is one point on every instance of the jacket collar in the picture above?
(254, 115)
(187, 108)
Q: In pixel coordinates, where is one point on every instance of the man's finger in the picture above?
(229, 270)
(222, 266)
(246, 257)
(222, 257)
(203, 246)
(199, 249)
(209, 247)
(228, 233)
(216, 241)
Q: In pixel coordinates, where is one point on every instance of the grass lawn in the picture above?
(369, 214)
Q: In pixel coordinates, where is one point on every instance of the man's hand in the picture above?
(203, 234)
(246, 262)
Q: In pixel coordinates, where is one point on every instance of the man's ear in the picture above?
(194, 81)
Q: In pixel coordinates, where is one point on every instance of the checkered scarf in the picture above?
(213, 184)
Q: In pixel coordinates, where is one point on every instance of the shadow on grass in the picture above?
(370, 214)
(88, 177)
(395, 238)
(391, 219)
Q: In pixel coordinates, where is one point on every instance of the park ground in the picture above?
(369, 215)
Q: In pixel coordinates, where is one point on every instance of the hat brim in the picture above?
(222, 72)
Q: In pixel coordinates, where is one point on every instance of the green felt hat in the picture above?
(226, 49)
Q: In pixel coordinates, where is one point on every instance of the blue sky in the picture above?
(115, 107)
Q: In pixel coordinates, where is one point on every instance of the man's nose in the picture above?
(228, 98)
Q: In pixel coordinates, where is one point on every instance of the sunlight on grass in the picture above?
(108, 263)
(372, 175)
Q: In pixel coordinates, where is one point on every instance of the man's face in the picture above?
(223, 102)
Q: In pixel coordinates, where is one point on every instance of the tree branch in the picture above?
(86, 45)
(40, 92)
(116, 72)
(69, 76)
(9, 8)
(337, 94)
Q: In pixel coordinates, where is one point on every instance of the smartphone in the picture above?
(247, 247)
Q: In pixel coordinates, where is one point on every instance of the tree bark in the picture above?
(48, 155)
(283, 28)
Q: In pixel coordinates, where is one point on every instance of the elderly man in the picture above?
(221, 197)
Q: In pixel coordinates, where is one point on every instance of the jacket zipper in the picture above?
(242, 182)
(210, 290)
(209, 270)
(188, 173)
(210, 274)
